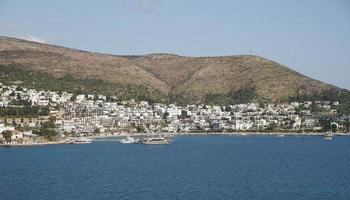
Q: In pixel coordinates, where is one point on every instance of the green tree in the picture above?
(184, 114)
(48, 124)
(19, 98)
(272, 127)
(97, 131)
(47, 130)
(243, 95)
(326, 124)
(19, 89)
(7, 135)
(166, 114)
(140, 129)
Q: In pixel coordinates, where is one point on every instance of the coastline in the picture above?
(69, 140)
(262, 134)
(32, 144)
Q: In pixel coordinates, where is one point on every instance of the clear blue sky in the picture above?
(310, 36)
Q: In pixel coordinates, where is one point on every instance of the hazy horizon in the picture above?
(309, 37)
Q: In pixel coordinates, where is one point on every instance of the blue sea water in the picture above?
(192, 167)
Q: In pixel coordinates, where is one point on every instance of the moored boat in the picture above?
(129, 140)
(328, 136)
(156, 140)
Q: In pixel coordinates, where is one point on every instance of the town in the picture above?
(28, 116)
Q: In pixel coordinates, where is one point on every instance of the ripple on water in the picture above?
(202, 167)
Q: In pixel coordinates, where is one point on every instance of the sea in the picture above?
(191, 167)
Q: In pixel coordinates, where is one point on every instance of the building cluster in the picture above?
(91, 114)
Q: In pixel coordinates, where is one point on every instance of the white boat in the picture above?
(156, 140)
(129, 140)
(328, 136)
(280, 135)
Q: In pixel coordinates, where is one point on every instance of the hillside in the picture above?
(155, 77)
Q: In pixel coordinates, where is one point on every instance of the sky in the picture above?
(309, 36)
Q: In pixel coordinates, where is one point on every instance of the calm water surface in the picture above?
(196, 167)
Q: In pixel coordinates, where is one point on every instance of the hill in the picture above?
(157, 77)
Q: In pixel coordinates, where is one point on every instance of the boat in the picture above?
(81, 141)
(129, 140)
(280, 135)
(156, 140)
(328, 136)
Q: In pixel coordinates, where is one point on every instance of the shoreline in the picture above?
(31, 144)
(244, 134)
(264, 134)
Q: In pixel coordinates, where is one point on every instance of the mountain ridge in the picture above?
(181, 78)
